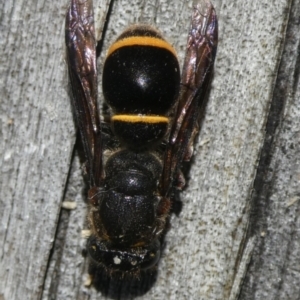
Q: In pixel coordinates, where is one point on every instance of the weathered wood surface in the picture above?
(244, 184)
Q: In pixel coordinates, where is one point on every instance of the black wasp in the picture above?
(154, 119)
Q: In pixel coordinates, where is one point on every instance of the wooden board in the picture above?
(243, 190)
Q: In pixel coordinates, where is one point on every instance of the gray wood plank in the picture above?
(206, 253)
(37, 138)
(274, 270)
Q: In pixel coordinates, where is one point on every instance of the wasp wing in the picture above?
(81, 57)
(197, 70)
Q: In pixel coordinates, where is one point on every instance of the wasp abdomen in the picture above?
(140, 82)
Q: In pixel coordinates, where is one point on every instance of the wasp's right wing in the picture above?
(197, 70)
(81, 57)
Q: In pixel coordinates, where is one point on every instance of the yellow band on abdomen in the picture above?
(140, 119)
(141, 41)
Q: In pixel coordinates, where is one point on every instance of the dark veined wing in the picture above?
(197, 70)
(81, 57)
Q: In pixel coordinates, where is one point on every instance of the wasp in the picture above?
(154, 116)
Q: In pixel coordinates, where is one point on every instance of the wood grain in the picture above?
(240, 210)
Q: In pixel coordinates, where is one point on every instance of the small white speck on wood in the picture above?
(206, 254)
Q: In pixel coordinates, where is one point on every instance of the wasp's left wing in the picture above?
(81, 56)
(197, 70)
